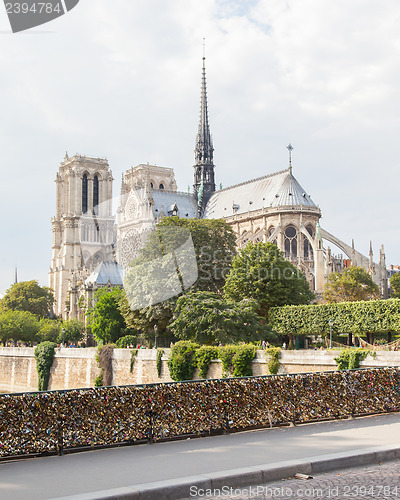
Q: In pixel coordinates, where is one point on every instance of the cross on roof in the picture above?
(290, 148)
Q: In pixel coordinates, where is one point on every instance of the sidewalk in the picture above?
(222, 458)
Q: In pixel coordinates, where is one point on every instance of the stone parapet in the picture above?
(78, 368)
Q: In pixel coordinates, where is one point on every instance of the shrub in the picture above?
(160, 353)
(204, 355)
(242, 360)
(182, 360)
(98, 381)
(133, 356)
(272, 354)
(104, 360)
(236, 360)
(349, 359)
(44, 355)
(225, 354)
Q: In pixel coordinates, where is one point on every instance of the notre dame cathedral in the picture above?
(91, 246)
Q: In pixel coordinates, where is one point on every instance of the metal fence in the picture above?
(59, 421)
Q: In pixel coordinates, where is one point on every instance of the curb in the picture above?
(173, 489)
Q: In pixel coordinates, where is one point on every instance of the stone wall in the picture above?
(75, 368)
(17, 369)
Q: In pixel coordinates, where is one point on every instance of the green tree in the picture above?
(395, 285)
(49, 330)
(74, 331)
(351, 285)
(18, 326)
(126, 341)
(214, 244)
(261, 272)
(28, 296)
(105, 318)
(206, 318)
(148, 279)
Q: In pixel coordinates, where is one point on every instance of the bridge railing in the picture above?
(60, 421)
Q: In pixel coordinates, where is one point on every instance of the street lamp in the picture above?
(155, 336)
(330, 333)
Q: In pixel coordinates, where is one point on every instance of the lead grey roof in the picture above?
(275, 190)
(165, 200)
(106, 272)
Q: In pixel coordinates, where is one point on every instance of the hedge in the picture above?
(374, 316)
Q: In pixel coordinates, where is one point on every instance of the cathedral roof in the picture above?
(106, 273)
(165, 201)
(280, 189)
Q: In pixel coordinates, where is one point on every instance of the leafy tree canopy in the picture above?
(145, 319)
(152, 289)
(260, 271)
(207, 318)
(351, 285)
(73, 331)
(28, 296)
(127, 341)
(49, 330)
(395, 285)
(105, 318)
(214, 244)
(19, 326)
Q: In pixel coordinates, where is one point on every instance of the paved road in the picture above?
(55, 477)
(358, 483)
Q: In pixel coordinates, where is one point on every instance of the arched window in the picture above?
(84, 193)
(308, 251)
(161, 186)
(85, 233)
(291, 243)
(96, 195)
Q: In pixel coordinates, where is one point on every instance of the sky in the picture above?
(121, 79)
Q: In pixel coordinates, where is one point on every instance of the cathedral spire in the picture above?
(204, 147)
(371, 259)
(204, 181)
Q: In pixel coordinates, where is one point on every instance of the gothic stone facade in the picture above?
(272, 208)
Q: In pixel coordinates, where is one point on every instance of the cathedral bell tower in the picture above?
(204, 179)
(83, 226)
